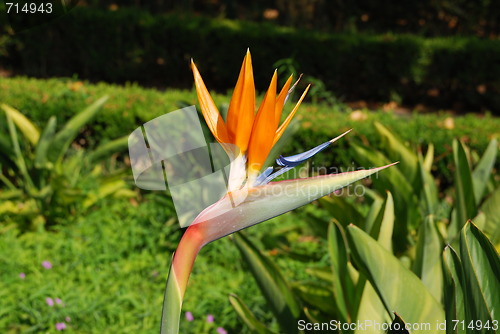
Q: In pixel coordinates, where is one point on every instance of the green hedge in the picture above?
(130, 45)
(130, 106)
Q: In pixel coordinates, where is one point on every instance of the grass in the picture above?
(109, 270)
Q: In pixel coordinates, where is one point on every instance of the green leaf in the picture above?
(318, 295)
(371, 307)
(247, 316)
(373, 214)
(429, 157)
(405, 200)
(483, 169)
(453, 290)
(427, 263)
(488, 218)
(343, 287)
(28, 129)
(387, 224)
(465, 202)
(340, 209)
(429, 192)
(7, 154)
(481, 265)
(272, 284)
(68, 133)
(44, 143)
(19, 158)
(107, 188)
(106, 150)
(324, 274)
(397, 287)
(398, 151)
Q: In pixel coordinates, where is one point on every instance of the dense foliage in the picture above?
(104, 265)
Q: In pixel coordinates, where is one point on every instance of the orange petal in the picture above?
(264, 129)
(241, 112)
(280, 102)
(209, 109)
(283, 126)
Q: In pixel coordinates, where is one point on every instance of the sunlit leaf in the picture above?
(398, 151)
(371, 307)
(488, 219)
(453, 291)
(27, 128)
(465, 202)
(482, 172)
(429, 191)
(481, 265)
(44, 143)
(68, 133)
(394, 284)
(427, 263)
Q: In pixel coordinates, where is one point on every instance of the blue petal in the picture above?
(292, 161)
(276, 174)
(263, 176)
(297, 159)
(287, 164)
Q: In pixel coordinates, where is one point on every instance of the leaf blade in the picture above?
(390, 278)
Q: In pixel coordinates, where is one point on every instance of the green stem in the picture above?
(180, 269)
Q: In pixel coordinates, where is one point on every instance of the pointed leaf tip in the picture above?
(340, 136)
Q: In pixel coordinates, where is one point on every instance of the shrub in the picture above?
(130, 45)
(43, 181)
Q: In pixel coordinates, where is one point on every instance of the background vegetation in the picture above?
(125, 44)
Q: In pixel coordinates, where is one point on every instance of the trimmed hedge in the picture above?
(130, 45)
(131, 106)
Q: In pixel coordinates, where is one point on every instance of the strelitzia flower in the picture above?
(251, 198)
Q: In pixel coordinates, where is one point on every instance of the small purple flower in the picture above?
(58, 301)
(22, 275)
(221, 330)
(47, 264)
(210, 318)
(68, 319)
(189, 316)
(60, 326)
(49, 301)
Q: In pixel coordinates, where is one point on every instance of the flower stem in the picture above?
(180, 269)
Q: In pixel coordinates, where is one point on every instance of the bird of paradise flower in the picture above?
(251, 198)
